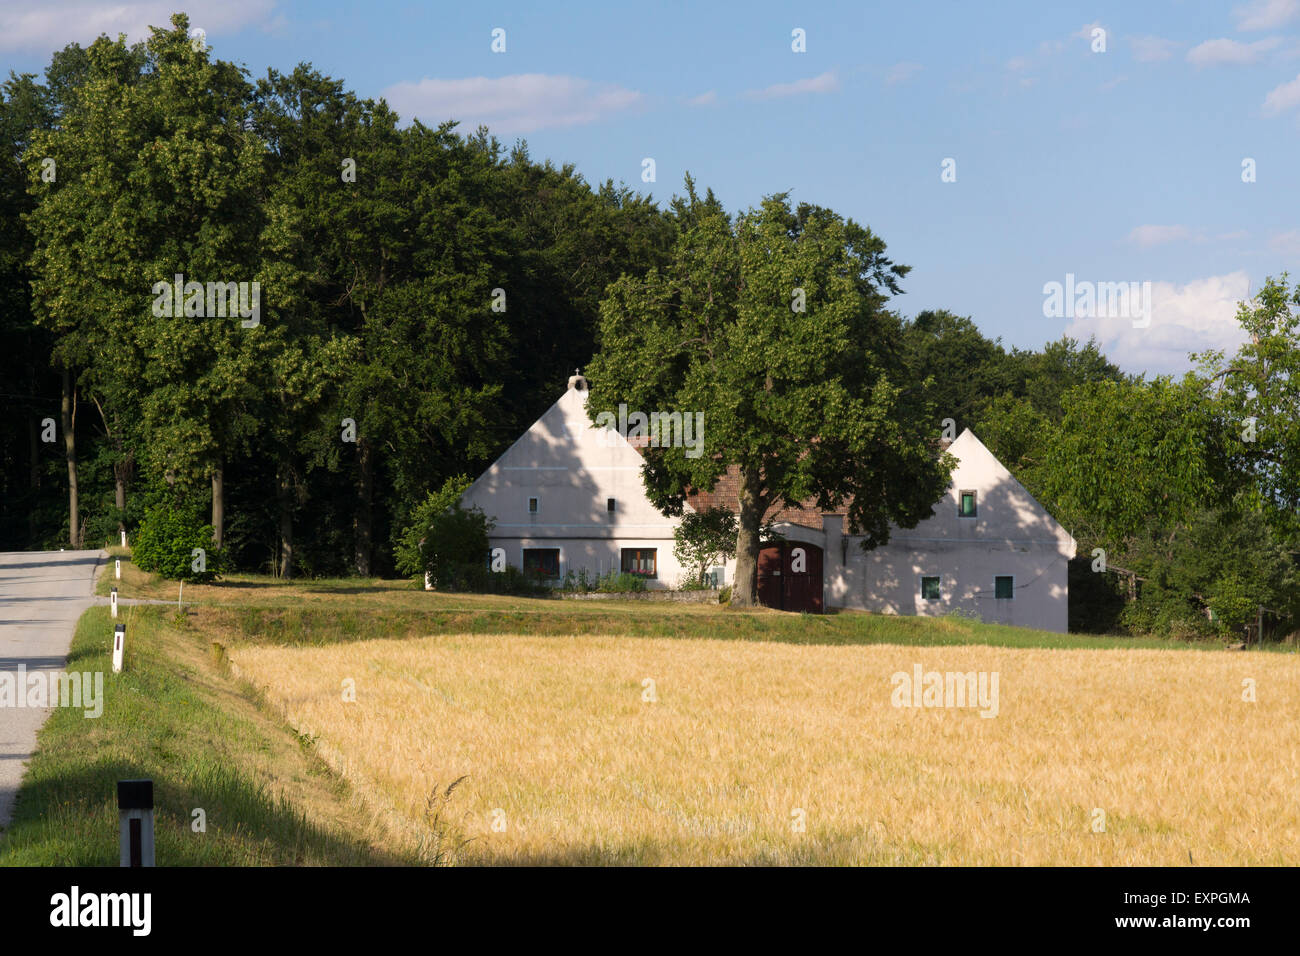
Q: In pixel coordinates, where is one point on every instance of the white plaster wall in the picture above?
(1010, 534)
(564, 463)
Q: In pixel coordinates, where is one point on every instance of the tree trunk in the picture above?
(68, 412)
(364, 516)
(34, 432)
(218, 503)
(284, 496)
(121, 469)
(744, 590)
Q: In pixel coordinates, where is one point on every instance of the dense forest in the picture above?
(421, 296)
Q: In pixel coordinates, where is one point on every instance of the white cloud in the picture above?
(901, 73)
(1146, 236)
(1112, 83)
(511, 104)
(1085, 32)
(704, 99)
(1233, 236)
(53, 24)
(1282, 98)
(823, 83)
(1225, 52)
(1265, 14)
(1152, 49)
(1193, 317)
(1287, 243)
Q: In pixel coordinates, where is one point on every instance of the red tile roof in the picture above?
(726, 495)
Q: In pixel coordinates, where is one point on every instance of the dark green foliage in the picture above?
(620, 583)
(1097, 598)
(376, 295)
(1213, 577)
(165, 543)
(446, 542)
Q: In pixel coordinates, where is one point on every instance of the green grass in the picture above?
(205, 742)
(320, 613)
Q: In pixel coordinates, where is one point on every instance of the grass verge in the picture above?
(209, 744)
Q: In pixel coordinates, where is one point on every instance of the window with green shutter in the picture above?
(1004, 587)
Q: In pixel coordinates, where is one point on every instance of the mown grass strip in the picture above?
(330, 621)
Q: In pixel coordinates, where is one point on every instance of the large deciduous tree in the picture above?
(1259, 404)
(774, 327)
(87, 264)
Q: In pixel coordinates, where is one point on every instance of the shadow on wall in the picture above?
(1009, 535)
(571, 495)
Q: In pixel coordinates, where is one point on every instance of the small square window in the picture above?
(1004, 587)
(610, 505)
(930, 588)
(966, 508)
(532, 506)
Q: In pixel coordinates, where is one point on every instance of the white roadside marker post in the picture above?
(124, 539)
(112, 601)
(118, 567)
(119, 641)
(135, 821)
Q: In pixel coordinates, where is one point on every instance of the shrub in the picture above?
(165, 543)
(445, 541)
(513, 581)
(702, 539)
(620, 583)
(579, 583)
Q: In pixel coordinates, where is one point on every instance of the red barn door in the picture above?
(790, 576)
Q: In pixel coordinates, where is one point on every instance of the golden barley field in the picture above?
(768, 753)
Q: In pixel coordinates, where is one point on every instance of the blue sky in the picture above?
(1115, 166)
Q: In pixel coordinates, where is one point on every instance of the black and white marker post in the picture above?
(112, 601)
(117, 566)
(135, 816)
(119, 643)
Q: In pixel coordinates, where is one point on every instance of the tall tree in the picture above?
(85, 264)
(1259, 401)
(198, 178)
(774, 327)
(962, 370)
(27, 386)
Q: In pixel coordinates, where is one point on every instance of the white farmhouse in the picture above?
(568, 496)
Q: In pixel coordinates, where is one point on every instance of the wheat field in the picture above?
(591, 750)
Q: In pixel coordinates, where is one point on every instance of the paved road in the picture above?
(42, 593)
